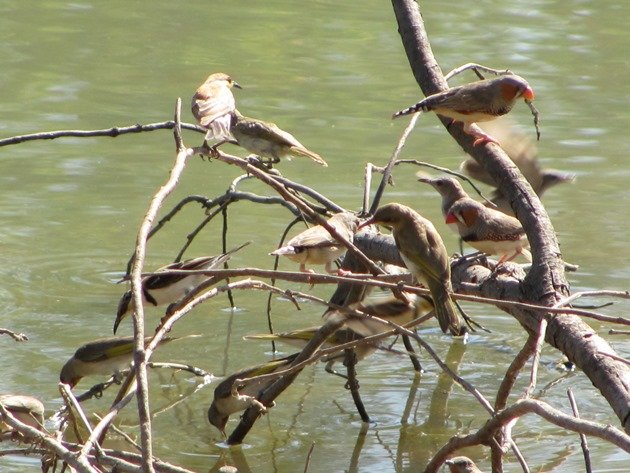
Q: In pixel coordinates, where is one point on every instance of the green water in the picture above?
(331, 73)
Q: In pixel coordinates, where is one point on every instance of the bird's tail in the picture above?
(309, 154)
(419, 107)
(446, 311)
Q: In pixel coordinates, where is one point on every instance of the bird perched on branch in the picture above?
(462, 465)
(236, 392)
(213, 104)
(267, 140)
(479, 101)
(299, 338)
(423, 252)
(26, 409)
(316, 246)
(524, 153)
(487, 230)
(390, 309)
(105, 356)
(161, 289)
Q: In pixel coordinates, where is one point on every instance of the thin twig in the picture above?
(140, 355)
(390, 165)
(583, 441)
(540, 339)
(308, 457)
(111, 132)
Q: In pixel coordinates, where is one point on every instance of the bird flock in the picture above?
(489, 228)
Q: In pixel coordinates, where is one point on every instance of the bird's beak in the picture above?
(451, 218)
(426, 180)
(236, 84)
(528, 94)
(369, 221)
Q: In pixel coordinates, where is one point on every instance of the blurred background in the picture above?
(332, 74)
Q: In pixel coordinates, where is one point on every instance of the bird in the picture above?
(213, 104)
(462, 465)
(423, 252)
(267, 140)
(105, 356)
(161, 289)
(487, 230)
(401, 312)
(478, 101)
(231, 396)
(299, 338)
(524, 153)
(316, 246)
(26, 409)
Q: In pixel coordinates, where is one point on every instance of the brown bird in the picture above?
(316, 246)
(213, 104)
(162, 289)
(423, 252)
(524, 153)
(26, 409)
(299, 338)
(231, 397)
(390, 309)
(479, 101)
(487, 230)
(267, 140)
(462, 465)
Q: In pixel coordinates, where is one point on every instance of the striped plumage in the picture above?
(485, 229)
(161, 289)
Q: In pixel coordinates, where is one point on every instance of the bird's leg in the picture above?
(481, 137)
(329, 369)
(309, 271)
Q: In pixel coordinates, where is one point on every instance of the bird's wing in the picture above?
(212, 103)
(267, 131)
(428, 256)
(159, 281)
(499, 223)
(314, 237)
(224, 388)
(105, 349)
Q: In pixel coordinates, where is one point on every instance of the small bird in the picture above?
(299, 338)
(524, 153)
(423, 252)
(26, 409)
(267, 140)
(390, 309)
(479, 101)
(213, 104)
(161, 289)
(231, 397)
(316, 246)
(105, 356)
(487, 230)
(462, 465)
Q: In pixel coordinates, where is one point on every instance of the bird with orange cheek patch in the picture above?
(487, 230)
(479, 101)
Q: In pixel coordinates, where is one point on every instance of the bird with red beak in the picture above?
(479, 101)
